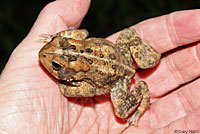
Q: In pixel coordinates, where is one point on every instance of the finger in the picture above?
(174, 70)
(169, 31)
(59, 15)
(175, 105)
(165, 33)
(188, 124)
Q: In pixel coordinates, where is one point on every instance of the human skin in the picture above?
(30, 101)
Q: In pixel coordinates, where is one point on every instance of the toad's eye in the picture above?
(56, 66)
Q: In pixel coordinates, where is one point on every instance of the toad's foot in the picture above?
(144, 55)
(45, 38)
(77, 34)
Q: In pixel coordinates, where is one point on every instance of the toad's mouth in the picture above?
(71, 82)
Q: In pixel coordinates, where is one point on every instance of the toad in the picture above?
(85, 67)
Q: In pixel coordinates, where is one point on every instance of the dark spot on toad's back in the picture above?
(90, 61)
(100, 72)
(72, 47)
(89, 50)
(113, 66)
(112, 56)
(101, 56)
(104, 63)
(72, 58)
(64, 48)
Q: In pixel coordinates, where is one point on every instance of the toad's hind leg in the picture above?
(77, 34)
(144, 104)
(144, 55)
(137, 101)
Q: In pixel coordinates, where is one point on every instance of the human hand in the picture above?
(31, 101)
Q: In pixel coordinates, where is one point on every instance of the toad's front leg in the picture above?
(79, 89)
(124, 103)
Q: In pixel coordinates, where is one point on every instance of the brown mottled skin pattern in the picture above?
(96, 66)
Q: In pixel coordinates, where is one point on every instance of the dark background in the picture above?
(104, 17)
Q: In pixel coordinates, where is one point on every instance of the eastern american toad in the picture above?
(96, 66)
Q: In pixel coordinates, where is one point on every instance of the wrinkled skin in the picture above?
(31, 101)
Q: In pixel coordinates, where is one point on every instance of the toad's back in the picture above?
(94, 60)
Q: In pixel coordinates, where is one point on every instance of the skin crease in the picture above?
(30, 100)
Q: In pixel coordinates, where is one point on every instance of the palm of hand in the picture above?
(31, 101)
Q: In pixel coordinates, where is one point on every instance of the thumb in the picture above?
(56, 16)
(59, 15)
